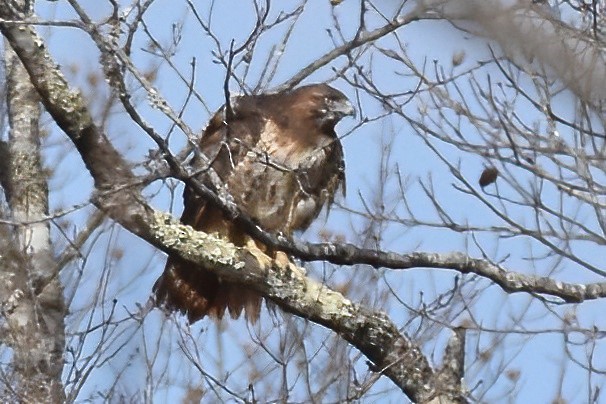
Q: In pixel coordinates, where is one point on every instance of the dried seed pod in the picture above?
(489, 175)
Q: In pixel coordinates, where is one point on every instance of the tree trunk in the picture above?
(33, 305)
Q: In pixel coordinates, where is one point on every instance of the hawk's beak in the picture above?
(344, 108)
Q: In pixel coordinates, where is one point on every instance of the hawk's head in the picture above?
(323, 103)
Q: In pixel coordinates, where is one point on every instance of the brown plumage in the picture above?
(282, 162)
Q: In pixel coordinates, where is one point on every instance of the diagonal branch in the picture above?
(372, 333)
(340, 254)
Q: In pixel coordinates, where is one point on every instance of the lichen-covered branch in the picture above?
(118, 195)
(95, 147)
(373, 333)
(341, 254)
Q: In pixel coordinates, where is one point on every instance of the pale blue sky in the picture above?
(131, 279)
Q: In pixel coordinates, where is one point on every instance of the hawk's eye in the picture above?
(328, 103)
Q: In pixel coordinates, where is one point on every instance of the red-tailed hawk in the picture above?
(281, 160)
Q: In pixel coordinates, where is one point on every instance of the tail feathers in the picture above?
(236, 299)
(199, 293)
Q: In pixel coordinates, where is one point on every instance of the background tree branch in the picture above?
(371, 332)
(446, 92)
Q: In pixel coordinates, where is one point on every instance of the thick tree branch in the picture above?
(341, 254)
(373, 333)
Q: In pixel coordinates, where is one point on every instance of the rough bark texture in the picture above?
(390, 352)
(33, 306)
(373, 333)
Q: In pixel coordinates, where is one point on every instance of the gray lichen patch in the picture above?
(307, 296)
(286, 284)
(203, 248)
(333, 304)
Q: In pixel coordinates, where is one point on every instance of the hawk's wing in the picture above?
(281, 163)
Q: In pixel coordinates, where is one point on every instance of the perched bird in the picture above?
(489, 175)
(281, 160)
